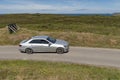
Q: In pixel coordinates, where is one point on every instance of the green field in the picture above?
(87, 31)
(90, 31)
(39, 70)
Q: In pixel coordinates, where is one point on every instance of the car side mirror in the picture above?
(49, 44)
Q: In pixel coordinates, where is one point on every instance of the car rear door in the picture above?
(40, 45)
(35, 45)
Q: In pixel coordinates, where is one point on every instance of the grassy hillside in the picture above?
(38, 70)
(116, 14)
(74, 38)
(92, 31)
(106, 25)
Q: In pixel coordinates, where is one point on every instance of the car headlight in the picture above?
(65, 46)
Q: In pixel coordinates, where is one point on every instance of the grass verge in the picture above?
(39, 70)
(86, 31)
(74, 38)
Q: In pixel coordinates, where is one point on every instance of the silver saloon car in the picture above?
(43, 44)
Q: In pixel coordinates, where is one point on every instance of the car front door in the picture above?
(44, 46)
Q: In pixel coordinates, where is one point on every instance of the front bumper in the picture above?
(21, 49)
(66, 49)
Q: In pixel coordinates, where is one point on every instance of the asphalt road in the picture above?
(80, 55)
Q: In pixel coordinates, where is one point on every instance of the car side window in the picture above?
(44, 42)
(39, 41)
(35, 41)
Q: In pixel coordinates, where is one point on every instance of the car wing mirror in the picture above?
(49, 44)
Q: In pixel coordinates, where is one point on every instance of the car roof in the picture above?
(40, 37)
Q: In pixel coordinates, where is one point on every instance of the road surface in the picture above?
(80, 55)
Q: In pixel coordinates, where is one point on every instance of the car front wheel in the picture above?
(60, 50)
(29, 51)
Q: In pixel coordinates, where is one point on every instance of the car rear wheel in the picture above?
(29, 51)
(60, 50)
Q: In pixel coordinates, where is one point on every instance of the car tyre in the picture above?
(29, 51)
(60, 50)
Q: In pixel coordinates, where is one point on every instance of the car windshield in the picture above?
(24, 41)
(51, 39)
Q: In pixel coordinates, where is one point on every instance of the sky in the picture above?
(59, 6)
